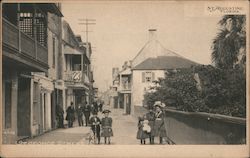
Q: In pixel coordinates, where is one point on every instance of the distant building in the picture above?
(151, 63)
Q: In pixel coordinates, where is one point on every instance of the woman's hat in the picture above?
(106, 111)
(159, 104)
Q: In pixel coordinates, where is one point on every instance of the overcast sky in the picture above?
(121, 30)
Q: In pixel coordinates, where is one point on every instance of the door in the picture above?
(23, 107)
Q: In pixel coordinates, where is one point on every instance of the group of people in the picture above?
(102, 127)
(82, 110)
(151, 125)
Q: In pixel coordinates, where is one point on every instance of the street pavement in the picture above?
(124, 129)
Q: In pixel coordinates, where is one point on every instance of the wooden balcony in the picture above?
(125, 87)
(21, 47)
(75, 79)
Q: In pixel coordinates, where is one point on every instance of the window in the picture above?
(148, 76)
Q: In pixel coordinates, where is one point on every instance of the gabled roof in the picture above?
(152, 49)
(164, 63)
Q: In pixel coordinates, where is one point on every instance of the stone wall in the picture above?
(204, 128)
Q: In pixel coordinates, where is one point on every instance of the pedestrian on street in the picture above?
(100, 106)
(141, 133)
(159, 128)
(95, 126)
(150, 116)
(107, 131)
(92, 109)
(96, 107)
(79, 112)
(70, 115)
(59, 116)
(86, 111)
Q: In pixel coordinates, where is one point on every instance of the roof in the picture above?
(125, 72)
(152, 49)
(164, 62)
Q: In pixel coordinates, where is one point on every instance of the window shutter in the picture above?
(153, 76)
(143, 77)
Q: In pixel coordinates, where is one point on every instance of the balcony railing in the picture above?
(125, 86)
(23, 43)
(73, 76)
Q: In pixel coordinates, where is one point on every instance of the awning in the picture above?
(70, 50)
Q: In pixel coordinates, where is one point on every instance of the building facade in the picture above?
(77, 77)
(151, 63)
(27, 82)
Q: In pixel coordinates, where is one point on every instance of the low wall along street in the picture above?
(202, 128)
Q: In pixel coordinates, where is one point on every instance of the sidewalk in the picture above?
(124, 129)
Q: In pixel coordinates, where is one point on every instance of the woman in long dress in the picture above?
(159, 128)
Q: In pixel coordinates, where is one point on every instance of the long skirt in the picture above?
(142, 134)
(159, 129)
(107, 132)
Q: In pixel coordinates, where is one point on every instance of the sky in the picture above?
(121, 30)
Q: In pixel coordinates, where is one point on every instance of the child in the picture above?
(141, 134)
(95, 126)
(106, 126)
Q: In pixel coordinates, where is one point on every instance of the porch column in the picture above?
(48, 111)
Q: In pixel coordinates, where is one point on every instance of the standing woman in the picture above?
(159, 128)
(107, 131)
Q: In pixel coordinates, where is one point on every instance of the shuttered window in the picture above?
(148, 76)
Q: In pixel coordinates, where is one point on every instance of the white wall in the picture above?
(138, 86)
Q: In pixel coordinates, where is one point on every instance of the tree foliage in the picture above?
(229, 46)
(222, 91)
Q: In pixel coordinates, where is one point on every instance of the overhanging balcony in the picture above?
(22, 48)
(75, 79)
(125, 87)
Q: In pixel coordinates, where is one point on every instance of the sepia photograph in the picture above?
(105, 76)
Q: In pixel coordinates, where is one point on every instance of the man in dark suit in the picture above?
(70, 115)
(86, 112)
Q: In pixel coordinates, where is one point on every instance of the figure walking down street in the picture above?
(79, 112)
(59, 116)
(107, 131)
(86, 111)
(95, 107)
(159, 128)
(70, 115)
(95, 127)
(100, 106)
(150, 116)
(142, 133)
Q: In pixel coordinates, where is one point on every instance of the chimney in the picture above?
(152, 34)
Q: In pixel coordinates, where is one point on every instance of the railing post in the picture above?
(34, 29)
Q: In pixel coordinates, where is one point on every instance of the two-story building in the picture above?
(26, 85)
(76, 68)
(151, 63)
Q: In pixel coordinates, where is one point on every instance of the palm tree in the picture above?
(229, 46)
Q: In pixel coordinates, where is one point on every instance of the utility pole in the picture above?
(86, 22)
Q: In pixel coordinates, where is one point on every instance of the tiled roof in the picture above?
(164, 62)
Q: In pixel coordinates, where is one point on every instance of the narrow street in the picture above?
(124, 128)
